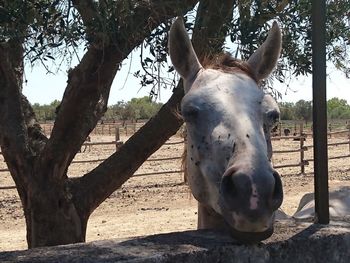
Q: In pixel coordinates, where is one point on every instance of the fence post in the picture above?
(280, 128)
(348, 126)
(302, 137)
(117, 136)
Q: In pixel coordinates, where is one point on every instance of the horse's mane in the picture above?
(226, 63)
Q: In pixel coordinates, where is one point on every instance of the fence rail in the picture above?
(302, 162)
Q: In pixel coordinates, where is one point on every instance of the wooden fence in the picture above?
(118, 144)
(105, 128)
(301, 137)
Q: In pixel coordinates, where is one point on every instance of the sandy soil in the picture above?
(159, 203)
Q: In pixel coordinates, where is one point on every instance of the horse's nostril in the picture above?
(227, 185)
(239, 189)
(235, 186)
(273, 115)
(277, 196)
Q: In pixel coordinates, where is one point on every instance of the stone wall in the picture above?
(291, 242)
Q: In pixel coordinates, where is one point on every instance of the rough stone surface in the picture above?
(292, 242)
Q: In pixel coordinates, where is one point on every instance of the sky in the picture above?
(44, 88)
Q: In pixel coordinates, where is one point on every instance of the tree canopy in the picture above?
(338, 109)
(301, 110)
(248, 27)
(54, 31)
(135, 109)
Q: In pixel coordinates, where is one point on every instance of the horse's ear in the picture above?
(264, 59)
(181, 51)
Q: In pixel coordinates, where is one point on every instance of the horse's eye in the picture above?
(190, 113)
(273, 116)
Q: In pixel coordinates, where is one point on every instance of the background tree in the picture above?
(303, 110)
(338, 109)
(46, 112)
(287, 110)
(135, 109)
(143, 108)
(118, 111)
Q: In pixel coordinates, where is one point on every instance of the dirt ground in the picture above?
(160, 203)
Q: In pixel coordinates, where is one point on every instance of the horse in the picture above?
(228, 119)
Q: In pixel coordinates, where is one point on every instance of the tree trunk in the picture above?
(51, 216)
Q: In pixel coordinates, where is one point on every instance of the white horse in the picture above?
(228, 119)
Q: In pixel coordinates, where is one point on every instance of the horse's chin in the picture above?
(251, 237)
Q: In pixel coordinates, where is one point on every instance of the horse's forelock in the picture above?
(226, 63)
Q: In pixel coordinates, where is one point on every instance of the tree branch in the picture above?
(211, 26)
(87, 11)
(85, 98)
(13, 133)
(37, 138)
(92, 21)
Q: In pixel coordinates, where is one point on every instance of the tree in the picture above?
(338, 109)
(136, 108)
(118, 111)
(303, 110)
(142, 108)
(46, 112)
(57, 207)
(287, 110)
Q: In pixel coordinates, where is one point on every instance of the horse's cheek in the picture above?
(197, 185)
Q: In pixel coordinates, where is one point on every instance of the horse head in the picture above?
(228, 119)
